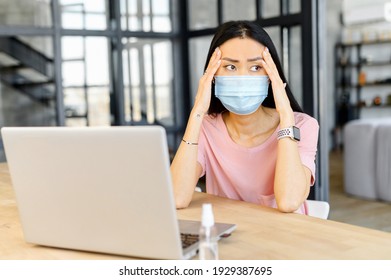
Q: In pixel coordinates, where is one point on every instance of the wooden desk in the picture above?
(262, 233)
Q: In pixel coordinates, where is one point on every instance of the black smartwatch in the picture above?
(292, 132)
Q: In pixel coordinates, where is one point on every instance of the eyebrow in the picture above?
(235, 60)
(254, 59)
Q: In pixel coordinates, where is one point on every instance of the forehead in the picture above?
(241, 47)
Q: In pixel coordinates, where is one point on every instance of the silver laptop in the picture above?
(104, 189)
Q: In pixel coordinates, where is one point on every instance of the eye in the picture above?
(255, 68)
(230, 67)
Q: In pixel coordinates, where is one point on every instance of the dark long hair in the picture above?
(252, 30)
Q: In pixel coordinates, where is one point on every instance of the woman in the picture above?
(243, 131)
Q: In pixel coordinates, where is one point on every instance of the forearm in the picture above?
(185, 170)
(291, 185)
(291, 182)
(184, 166)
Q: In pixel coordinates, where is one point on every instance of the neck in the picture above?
(260, 122)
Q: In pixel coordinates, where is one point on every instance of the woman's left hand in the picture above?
(283, 106)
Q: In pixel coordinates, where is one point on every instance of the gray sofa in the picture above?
(367, 158)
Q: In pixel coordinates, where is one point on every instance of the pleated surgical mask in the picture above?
(241, 95)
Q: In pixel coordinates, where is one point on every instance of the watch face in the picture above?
(296, 133)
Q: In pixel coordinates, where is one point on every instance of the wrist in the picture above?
(197, 114)
(287, 119)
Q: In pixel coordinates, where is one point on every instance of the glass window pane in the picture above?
(87, 106)
(163, 82)
(86, 81)
(131, 15)
(295, 64)
(202, 14)
(93, 6)
(97, 61)
(85, 61)
(198, 51)
(161, 24)
(139, 15)
(161, 20)
(161, 7)
(294, 6)
(146, 24)
(270, 8)
(99, 106)
(26, 12)
(73, 73)
(275, 34)
(148, 80)
(239, 10)
(72, 20)
(72, 48)
(84, 14)
(131, 81)
(96, 21)
(75, 106)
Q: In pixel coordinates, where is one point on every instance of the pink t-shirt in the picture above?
(247, 174)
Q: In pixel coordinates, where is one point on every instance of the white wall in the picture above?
(25, 12)
(351, 4)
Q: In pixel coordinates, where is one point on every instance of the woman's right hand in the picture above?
(202, 100)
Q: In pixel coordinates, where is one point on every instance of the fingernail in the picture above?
(266, 50)
(284, 85)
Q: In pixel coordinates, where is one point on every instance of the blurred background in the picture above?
(138, 62)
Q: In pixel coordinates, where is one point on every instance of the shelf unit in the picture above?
(358, 72)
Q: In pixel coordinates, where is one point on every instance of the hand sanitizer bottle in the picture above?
(208, 249)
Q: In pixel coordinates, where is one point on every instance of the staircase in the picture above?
(26, 70)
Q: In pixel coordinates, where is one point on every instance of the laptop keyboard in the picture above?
(188, 239)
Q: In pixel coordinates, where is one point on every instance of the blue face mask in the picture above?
(241, 95)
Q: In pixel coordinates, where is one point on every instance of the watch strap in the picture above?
(291, 132)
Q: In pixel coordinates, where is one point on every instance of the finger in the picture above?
(276, 81)
(268, 69)
(213, 58)
(211, 72)
(269, 60)
(271, 70)
(213, 66)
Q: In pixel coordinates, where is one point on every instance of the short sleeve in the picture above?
(309, 130)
